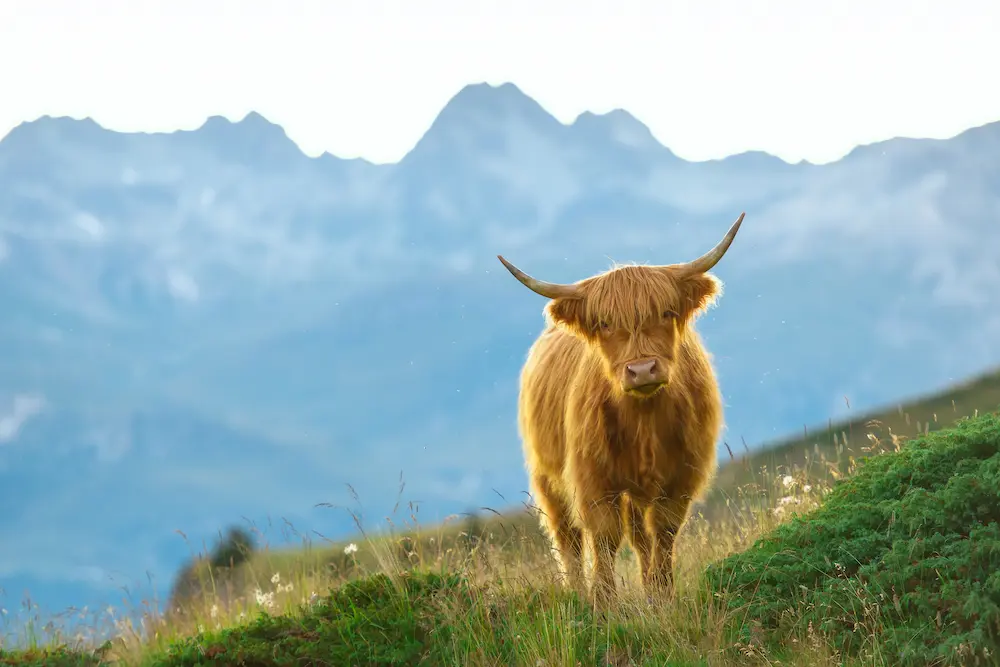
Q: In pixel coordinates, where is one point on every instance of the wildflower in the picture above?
(214, 611)
(787, 481)
(276, 578)
(351, 548)
(807, 488)
(264, 599)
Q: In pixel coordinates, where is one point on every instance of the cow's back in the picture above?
(548, 374)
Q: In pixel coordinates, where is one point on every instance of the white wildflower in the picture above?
(214, 611)
(276, 578)
(787, 481)
(807, 488)
(264, 599)
(351, 548)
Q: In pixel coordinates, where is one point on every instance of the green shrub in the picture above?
(235, 548)
(49, 657)
(368, 621)
(901, 563)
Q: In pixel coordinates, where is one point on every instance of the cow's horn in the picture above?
(550, 290)
(712, 257)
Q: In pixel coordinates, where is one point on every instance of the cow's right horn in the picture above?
(549, 290)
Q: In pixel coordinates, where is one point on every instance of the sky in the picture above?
(800, 80)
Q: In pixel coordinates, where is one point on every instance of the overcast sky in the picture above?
(365, 78)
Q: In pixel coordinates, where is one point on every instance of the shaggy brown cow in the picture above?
(620, 412)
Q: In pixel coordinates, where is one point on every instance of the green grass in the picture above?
(808, 553)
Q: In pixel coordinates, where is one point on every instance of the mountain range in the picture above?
(201, 327)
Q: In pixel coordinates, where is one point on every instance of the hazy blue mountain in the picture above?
(207, 325)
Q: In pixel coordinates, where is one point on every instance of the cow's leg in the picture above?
(664, 521)
(602, 520)
(567, 539)
(638, 536)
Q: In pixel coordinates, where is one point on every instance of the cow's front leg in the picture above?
(638, 535)
(665, 520)
(602, 521)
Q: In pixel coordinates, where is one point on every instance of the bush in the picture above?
(49, 657)
(215, 573)
(900, 564)
(369, 621)
(233, 549)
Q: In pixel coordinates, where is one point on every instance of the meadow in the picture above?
(874, 541)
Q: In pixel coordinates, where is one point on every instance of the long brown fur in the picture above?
(606, 465)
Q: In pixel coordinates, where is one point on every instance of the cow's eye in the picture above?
(669, 314)
(603, 325)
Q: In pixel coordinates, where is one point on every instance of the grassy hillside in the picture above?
(826, 450)
(823, 454)
(481, 590)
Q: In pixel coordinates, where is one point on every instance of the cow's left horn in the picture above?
(712, 257)
(550, 290)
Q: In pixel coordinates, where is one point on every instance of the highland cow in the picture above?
(620, 413)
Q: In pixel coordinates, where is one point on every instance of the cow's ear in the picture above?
(568, 312)
(700, 292)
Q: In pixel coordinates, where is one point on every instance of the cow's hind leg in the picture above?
(567, 539)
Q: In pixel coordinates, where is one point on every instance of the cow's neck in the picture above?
(636, 432)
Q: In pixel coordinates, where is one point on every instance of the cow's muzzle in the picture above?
(644, 377)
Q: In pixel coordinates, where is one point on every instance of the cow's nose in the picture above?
(642, 372)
